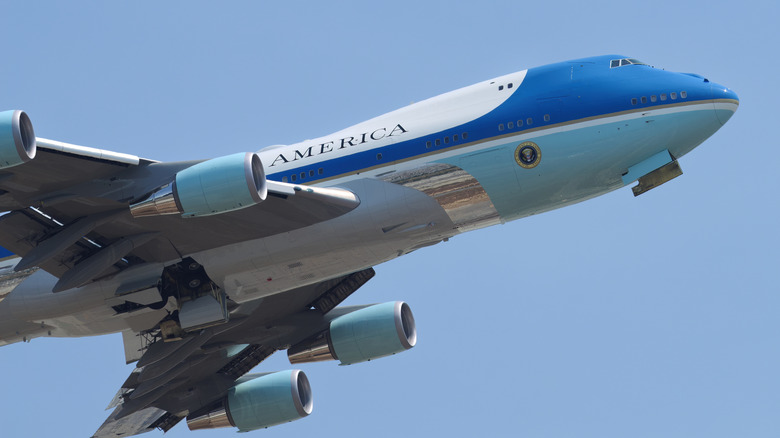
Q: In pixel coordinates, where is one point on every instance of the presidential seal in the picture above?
(528, 154)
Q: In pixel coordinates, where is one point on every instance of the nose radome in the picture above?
(721, 92)
(725, 102)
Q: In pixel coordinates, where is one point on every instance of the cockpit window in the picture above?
(625, 61)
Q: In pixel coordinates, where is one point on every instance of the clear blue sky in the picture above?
(647, 317)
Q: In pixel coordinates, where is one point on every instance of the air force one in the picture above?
(209, 267)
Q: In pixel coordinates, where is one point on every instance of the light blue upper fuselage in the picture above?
(591, 118)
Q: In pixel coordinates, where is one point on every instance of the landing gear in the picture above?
(201, 302)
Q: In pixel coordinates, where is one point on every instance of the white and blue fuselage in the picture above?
(500, 150)
(591, 121)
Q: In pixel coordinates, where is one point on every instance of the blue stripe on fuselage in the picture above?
(566, 91)
(6, 254)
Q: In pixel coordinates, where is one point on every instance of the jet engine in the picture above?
(258, 401)
(211, 187)
(17, 139)
(369, 333)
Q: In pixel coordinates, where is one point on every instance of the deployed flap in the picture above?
(133, 346)
(134, 424)
(173, 378)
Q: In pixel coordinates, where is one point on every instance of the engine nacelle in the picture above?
(17, 139)
(214, 186)
(369, 333)
(259, 401)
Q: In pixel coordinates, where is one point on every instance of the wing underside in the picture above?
(174, 379)
(68, 214)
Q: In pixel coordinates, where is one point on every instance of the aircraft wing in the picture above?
(175, 379)
(69, 215)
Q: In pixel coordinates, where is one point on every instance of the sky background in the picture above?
(621, 316)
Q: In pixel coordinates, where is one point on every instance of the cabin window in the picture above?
(438, 142)
(379, 156)
(303, 175)
(663, 97)
(284, 179)
(653, 98)
(465, 135)
(293, 177)
(644, 99)
(500, 87)
(529, 121)
(546, 117)
(428, 144)
(519, 123)
(625, 61)
(683, 94)
(311, 173)
(500, 126)
(510, 125)
(633, 101)
(320, 171)
(630, 61)
(673, 95)
(455, 137)
(509, 85)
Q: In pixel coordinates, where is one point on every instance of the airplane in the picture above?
(209, 267)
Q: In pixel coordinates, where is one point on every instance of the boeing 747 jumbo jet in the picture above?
(209, 267)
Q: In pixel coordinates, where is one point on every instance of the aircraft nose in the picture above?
(725, 102)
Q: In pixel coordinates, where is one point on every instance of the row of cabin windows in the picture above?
(446, 140)
(529, 121)
(508, 86)
(654, 98)
(294, 177)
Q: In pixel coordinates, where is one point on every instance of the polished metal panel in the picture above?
(311, 350)
(459, 194)
(213, 419)
(159, 203)
(9, 279)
